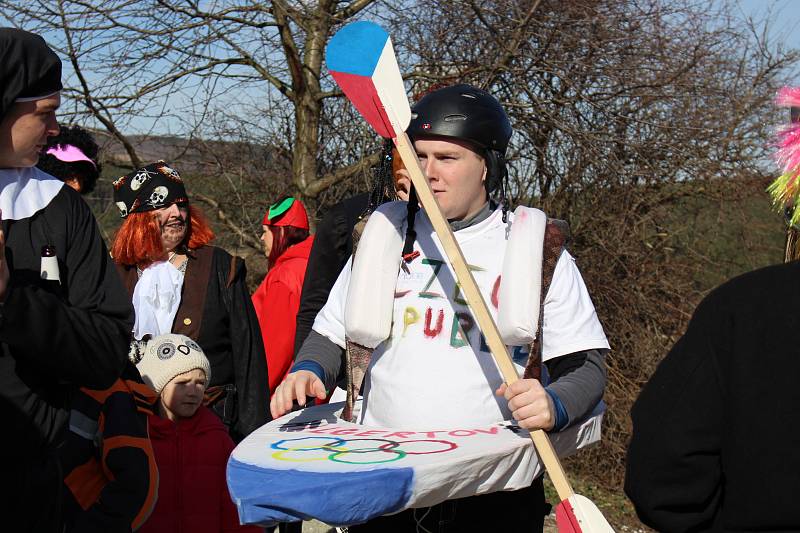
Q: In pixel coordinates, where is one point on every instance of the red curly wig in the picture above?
(138, 240)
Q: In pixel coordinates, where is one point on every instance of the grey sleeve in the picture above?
(321, 350)
(581, 389)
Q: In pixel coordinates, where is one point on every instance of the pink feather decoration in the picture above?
(788, 144)
(785, 190)
(788, 97)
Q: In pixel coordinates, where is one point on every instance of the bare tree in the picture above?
(233, 71)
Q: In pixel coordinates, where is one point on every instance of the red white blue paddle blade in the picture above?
(361, 59)
(578, 514)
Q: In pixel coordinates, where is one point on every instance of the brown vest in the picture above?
(189, 317)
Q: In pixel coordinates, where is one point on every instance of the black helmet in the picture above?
(464, 112)
(468, 113)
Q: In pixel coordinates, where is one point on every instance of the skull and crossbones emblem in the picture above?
(138, 179)
(158, 196)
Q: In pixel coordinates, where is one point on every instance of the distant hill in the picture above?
(194, 155)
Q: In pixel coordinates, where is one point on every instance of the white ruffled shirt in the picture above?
(156, 299)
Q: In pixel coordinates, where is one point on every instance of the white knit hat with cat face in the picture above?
(170, 355)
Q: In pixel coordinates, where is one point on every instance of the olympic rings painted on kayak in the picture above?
(354, 451)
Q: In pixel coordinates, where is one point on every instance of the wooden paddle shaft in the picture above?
(478, 305)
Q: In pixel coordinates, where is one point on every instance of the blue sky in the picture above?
(784, 20)
(784, 16)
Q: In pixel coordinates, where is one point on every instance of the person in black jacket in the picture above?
(181, 284)
(714, 444)
(64, 317)
(333, 241)
(333, 244)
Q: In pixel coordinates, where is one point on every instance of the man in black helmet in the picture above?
(428, 366)
(64, 317)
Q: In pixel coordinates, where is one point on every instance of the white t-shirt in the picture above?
(435, 369)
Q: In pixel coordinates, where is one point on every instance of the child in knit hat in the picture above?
(190, 442)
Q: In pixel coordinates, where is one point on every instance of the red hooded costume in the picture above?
(277, 299)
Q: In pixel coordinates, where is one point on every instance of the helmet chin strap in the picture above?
(504, 203)
(495, 175)
(412, 207)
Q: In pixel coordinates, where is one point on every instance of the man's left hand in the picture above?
(529, 403)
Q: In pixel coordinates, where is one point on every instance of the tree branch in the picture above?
(245, 237)
(317, 186)
(90, 102)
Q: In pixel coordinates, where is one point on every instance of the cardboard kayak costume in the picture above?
(316, 464)
(312, 464)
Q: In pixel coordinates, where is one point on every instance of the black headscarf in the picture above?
(28, 68)
(149, 188)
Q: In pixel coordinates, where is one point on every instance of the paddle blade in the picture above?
(361, 59)
(578, 514)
